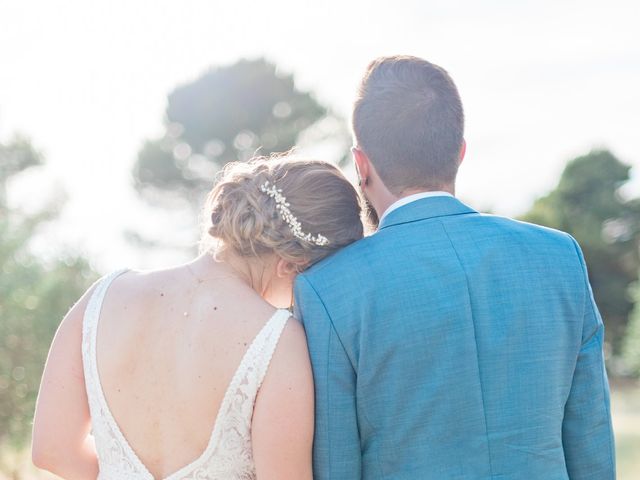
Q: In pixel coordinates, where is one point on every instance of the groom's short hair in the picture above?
(408, 119)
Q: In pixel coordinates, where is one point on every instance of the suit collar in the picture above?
(412, 198)
(423, 209)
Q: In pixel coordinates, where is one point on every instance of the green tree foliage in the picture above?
(587, 204)
(15, 156)
(631, 344)
(227, 114)
(34, 296)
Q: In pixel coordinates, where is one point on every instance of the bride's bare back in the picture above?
(167, 346)
(167, 349)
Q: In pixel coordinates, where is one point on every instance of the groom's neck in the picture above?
(386, 199)
(412, 191)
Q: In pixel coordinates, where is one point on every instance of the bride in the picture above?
(196, 371)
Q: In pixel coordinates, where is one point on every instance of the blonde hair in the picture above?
(245, 219)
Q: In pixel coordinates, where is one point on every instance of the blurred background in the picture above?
(115, 117)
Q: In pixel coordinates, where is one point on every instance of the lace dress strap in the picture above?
(116, 458)
(92, 311)
(90, 320)
(91, 317)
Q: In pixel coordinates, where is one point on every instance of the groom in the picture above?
(449, 344)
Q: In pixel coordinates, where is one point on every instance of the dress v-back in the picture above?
(228, 454)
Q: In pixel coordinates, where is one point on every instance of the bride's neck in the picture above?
(252, 272)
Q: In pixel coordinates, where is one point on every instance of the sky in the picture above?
(541, 82)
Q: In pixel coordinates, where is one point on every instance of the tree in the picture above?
(34, 296)
(15, 156)
(631, 343)
(587, 204)
(226, 114)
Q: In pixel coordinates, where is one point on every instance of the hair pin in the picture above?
(282, 206)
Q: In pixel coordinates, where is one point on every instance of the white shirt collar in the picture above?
(401, 202)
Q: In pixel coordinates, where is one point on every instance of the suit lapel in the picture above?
(423, 209)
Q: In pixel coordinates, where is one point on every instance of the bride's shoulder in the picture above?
(290, 367)
(291, 357)
(136, 282)
(293, 334)
(133, 288)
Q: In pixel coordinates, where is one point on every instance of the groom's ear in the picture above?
(463, 150)
(363, 164)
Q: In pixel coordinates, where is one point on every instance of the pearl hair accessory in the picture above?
(282, 206)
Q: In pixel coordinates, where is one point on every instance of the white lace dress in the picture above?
(228, 454)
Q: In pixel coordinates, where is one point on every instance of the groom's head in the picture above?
(408, 124)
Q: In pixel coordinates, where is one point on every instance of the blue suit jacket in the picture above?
(455, 345)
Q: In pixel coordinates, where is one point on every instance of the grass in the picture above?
(625, 405)
(628, 453)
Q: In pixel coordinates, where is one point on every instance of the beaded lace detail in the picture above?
(228, 454)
